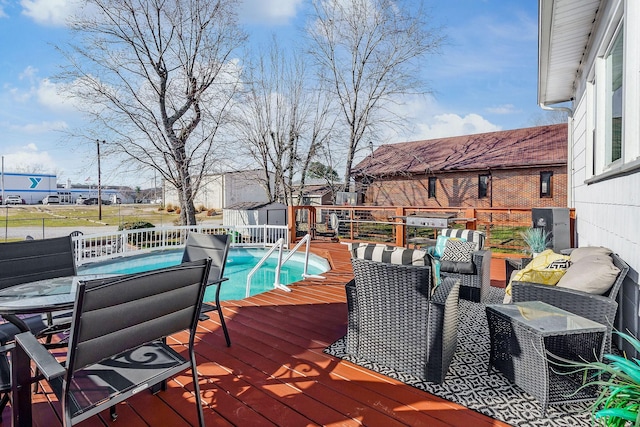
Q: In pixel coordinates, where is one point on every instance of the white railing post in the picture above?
(278, 245)
(306, 239)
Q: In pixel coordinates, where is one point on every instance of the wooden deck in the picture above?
(276, 374)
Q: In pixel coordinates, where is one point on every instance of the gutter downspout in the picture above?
(570, 171)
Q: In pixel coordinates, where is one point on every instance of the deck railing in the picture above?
(102, 246)
(502, 226)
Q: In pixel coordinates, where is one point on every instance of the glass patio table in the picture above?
(42, 296)
(531, 342)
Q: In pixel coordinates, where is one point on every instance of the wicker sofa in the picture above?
(396, 322)
(599, 308)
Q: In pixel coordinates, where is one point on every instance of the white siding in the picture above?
(608, 210)
(221, 190)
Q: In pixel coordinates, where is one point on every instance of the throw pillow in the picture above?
(369, 247)
(585, 251)
(393, 255)
(593, 274)
(458, 251)
(560, 264)
(441, 242)
(537, 272)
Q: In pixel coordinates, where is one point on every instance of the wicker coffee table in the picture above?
(526, 337)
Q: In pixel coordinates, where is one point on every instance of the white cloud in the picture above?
(503, 109)
(427, 119)
(446, 125)
(48, 94)
(269, 11)
(49, 12)
(28, 73)
(29, 159)
(40, 128)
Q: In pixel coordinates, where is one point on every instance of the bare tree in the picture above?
(369, 53)
(544, 117)
(157, 78)
(283, 122)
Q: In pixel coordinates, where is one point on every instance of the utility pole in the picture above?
(99, 183)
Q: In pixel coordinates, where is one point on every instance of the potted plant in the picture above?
(536, 238)
(618, 403)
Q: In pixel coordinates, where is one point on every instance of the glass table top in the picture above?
(42, 294)
(544, 317)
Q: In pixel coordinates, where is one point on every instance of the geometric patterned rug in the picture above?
(468, 383)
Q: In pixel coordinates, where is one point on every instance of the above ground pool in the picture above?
(240, 262)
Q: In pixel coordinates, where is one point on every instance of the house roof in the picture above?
(564, 29)
(316, 189)
(252, 206)
(536, 146)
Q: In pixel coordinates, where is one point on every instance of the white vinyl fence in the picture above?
(102, 246)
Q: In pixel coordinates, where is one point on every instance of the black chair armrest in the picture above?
(46, 363)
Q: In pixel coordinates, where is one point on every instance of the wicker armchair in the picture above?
(476, 282)
(394, 321)
(599, 308)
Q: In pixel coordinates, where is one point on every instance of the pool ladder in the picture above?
(280, 245)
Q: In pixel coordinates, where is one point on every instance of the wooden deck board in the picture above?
(275, 372)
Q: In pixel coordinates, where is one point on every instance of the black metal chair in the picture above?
(117, 345)
(32, 260)
(216, 247)
(28, 261)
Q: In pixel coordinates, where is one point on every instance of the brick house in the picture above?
(513, 168)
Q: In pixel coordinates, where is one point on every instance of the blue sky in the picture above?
(484, 79)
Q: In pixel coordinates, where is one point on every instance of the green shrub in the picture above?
(536, 238)
(135, 225)
(136, 239)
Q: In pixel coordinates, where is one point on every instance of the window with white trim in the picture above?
(613, 99)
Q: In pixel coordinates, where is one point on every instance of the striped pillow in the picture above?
(392, 254)
(467, 235)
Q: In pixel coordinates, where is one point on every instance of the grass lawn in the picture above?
(86, 215)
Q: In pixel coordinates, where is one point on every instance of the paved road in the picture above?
(40, 233)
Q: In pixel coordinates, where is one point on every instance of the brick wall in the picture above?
(507, 188)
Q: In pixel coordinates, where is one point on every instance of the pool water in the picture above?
(240, 261)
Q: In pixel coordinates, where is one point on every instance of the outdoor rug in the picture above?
(468, 384)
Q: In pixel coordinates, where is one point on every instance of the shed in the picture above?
(255, 213)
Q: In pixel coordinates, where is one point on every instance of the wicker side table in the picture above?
(526, 337)
(513, 264)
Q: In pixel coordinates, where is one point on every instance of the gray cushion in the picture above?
(457, 267)
(585, 251)
(594, 274)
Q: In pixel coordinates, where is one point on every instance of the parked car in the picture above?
(94, 201)
(13, 200)
(51, 200)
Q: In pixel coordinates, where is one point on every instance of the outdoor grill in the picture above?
(430, 222)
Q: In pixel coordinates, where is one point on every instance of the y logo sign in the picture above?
(35, 182)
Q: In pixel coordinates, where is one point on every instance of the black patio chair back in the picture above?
(117, 345)
(216, 247)
(31, 260)
(27, 261)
